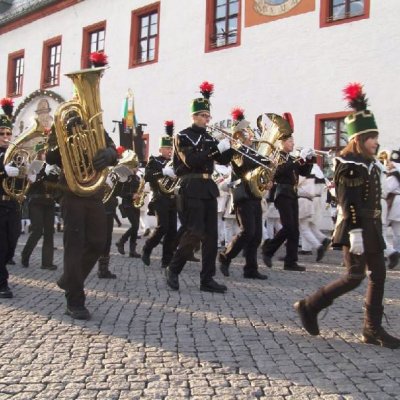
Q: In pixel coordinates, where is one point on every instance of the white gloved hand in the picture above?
(356, 242)
(168, 171)
(109, 181)
(307, 153)
(32, 178)
(11, 171)
(52, 169)
(224, 145)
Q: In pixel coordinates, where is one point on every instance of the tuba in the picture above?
(120, 172)
(259, 178)
(167, 184)
(21, 153)
(80, 133)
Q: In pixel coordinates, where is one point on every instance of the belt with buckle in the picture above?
(4, 197)
(196, 176)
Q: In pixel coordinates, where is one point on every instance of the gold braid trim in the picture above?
(351, 182)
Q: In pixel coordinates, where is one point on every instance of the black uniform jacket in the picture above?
(153, 172)
(287, 174)
(194, 154)
(242, 164)
(43, 190)
(127, 189)
(358, 193)
(3, 175)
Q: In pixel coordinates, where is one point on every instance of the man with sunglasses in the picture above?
(9, 212)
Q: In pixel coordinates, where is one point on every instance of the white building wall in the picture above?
(287, 65)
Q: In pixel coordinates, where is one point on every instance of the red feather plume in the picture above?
(207, 89)
(169, 127)
(237, 114)
(120, 150)
(354, 95)
(7, 105)
(98, 59)
(289, 118)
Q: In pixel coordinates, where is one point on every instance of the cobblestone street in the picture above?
(147, 342)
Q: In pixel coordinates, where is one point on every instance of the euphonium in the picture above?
(120, 173)
(80, 133)
(21, 152)
(259, 179)
(167, 184)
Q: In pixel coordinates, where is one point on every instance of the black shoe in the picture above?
(11, 262)
(305, 253)
(120, 248)
(267, 260)
(25, 262)
(78, 312)
(294, 267)
(224, 264)
(213, 287)
(51, 267)
(393, 260)
(134, 254)
(107, 274)
(320, 253)
(61, 284)
(172, 279)
(380, 337)
(255, 275)
(5, 293)
(146, 258)
(308, 318)
(193, 258)
(326, 243)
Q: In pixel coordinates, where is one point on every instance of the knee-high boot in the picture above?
(103, 271)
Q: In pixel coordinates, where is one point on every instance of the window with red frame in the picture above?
(341, 9)
(16, 62)
(51, 63)
(335, 12)
(145, 35)
(224, 21)
(94, 37)
(333, 137)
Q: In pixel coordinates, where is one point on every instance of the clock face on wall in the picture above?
(274, 7)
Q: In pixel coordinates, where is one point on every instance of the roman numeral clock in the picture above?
(274, 8)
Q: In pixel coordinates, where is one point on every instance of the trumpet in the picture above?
(320, 153)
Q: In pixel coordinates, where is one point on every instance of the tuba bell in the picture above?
(21, 153)
(166, 184)
(260, 178)
(80, 133)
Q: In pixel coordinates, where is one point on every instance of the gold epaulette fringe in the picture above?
(351, 182)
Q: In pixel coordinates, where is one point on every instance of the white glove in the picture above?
(168, 171)
(356, 242)
(307, 153)
(32, 178)
(11, 171)
(224, 145)
(52, 169)
(109, 181)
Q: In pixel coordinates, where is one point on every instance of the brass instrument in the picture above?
(138, 201)
(21, 153)
(120, 172)
(166, 184)
(320, 153)
(80, 133)
(384, 156)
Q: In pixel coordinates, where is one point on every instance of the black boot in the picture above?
(146, 256)
(393, 260)
(309, 308)
(132, 251)
(373, 333)
(120, 247)
(104, 272)
(224, 264)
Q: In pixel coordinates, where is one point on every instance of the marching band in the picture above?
(273, 195)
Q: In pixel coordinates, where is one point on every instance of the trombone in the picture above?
(239, 144)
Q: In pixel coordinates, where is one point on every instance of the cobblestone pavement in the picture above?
(147, 342)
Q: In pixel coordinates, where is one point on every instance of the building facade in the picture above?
(261, 55)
